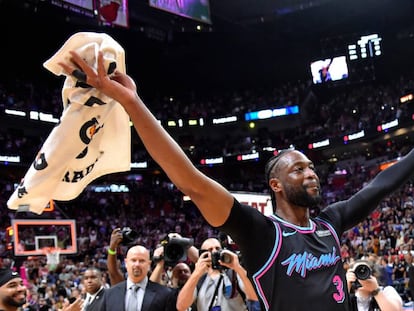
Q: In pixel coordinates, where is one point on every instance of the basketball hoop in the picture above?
(52, 257)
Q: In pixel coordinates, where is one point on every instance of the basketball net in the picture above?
(52, 257)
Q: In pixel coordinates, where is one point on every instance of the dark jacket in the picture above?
(156, 298)
(96, 303)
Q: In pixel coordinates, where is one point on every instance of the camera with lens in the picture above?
(128, 235)
(362, 271)
(175, 250)
(220, 255)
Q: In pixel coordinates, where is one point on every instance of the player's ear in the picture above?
(275, 184)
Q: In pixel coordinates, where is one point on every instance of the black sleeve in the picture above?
(350, 212)
(246, 226)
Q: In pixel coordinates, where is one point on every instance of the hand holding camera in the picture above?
(174, 249)
(128, 235)
(360, 277)
(158, 254)
(203, 263)
(362, 271)
(116, 239)
(221, 259)
(124, 236)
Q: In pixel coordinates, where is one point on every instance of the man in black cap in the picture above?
(12, 290)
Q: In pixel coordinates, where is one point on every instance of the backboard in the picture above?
(33, 236)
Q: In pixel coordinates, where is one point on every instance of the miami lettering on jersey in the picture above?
(302, 263)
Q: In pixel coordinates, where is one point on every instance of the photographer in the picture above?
(365, 292)
(119, 236)
(172, 252)
(210, 288)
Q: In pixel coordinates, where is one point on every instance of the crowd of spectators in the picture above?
(154, 207)
(362, 107)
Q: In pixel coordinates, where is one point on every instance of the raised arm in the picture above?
(213, 200)
(360, 205)
(186, 296)
(115, 273)
(156, 274)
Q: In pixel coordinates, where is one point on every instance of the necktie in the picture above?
(87, 303)
(140, 297)
(133, 298)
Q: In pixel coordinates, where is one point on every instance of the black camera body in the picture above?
(128, 235)
(175, 250)
(219, 255)
(362, 271)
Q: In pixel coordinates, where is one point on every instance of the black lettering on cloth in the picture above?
(21, 191)
(82, 154)
(40, 162)
(94, 100)
(88, 130)
(76, 176)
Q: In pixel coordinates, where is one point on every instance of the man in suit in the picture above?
(95, 291)
(148, 295)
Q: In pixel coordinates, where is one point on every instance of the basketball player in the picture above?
(293, 260)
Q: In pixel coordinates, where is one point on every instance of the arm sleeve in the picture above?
(360, 205)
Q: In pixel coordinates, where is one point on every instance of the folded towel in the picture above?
(93, 137)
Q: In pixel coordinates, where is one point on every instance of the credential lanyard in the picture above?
(214, 298)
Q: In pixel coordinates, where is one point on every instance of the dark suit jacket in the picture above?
(410, 275)
(96, 304)
(156, 298)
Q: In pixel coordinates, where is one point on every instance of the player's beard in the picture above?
(300, 197)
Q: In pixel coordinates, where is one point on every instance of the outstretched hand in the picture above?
(213, 200)
(117, 85)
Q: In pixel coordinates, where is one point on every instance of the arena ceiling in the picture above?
(281, 16)
(249, 41)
